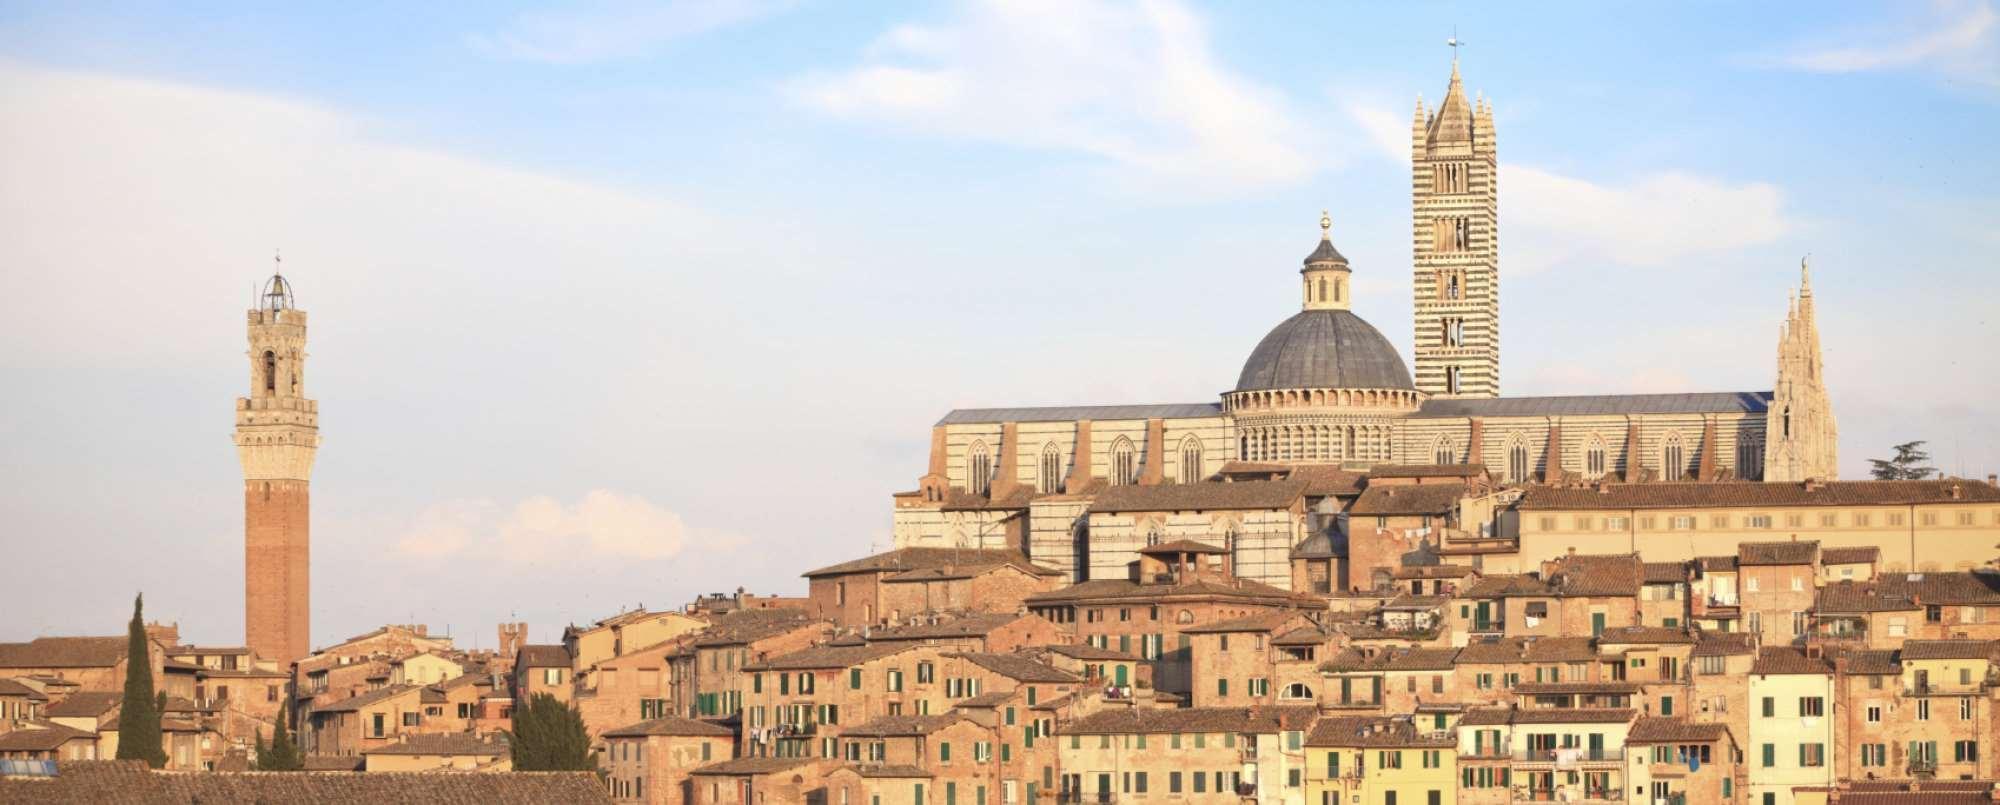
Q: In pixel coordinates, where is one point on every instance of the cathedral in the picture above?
(1325, 392)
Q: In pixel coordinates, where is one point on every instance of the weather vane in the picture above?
(1454, 42)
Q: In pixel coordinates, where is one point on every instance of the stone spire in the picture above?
(1326, 285)
(1453, 120)
(1801, 437)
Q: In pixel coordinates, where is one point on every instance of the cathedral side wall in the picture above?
(1419, 439)
(1264, 539)
(1216, 435)
(1052, 534)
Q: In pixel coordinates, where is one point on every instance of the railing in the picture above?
(1574, 753)
(1322, 587)
(1246, 789)
(1503, 749)
(1923, 768)
(1489, 626)
(1354, 705)
(1953, 689)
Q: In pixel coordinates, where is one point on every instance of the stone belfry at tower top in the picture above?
(277, 435)
(1454, 200)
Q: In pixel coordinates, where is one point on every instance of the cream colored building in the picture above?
(1791, 724)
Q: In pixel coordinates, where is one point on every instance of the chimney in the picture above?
(1993, 479)
(1957, 490)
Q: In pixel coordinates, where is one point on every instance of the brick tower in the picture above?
(277, 434)
(1455, 196)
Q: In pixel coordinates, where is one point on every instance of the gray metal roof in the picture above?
(1326, 253)
(1324, 349)
(1720, 402)
(1071, 413)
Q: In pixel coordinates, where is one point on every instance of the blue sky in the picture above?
(617, 303)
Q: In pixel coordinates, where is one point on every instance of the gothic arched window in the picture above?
(270, 371)
(1593, 458)
(1750, 458)
(978, 469)
(1673, 459)
(1052, 465)
(1322, 290)
(1518, 465)
(1124, 462)
(1444, 452)
(1191, 469)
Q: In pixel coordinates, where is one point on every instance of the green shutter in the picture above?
(854, 679)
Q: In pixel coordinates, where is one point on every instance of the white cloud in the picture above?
(1654, 220)
(1958, 38)
(1136, 86)
(602, 525)
(1551, 219)
(616, 30)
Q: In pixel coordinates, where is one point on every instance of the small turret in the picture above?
(1326, 273)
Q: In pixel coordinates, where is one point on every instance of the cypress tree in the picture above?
(139, 718)
(549, 736)
(283, 755)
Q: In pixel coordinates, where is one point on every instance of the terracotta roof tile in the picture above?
(672, 725)
(947, 627)
(755, 765)
(1651, 729)
(1192, 719)
(905, 559)
(1850, 556)
(64, 652)
(1666, 572)
(1427, 471)
(1111, 590)
(542, 656)
(1723, 644)
(1682, 495)
(127, 781)
(1018, 667)
(1373, 731)
(1777, 553)
(1869, 662)
(891, 726)
(824, 657)
(1946, 650)
(452, 743)
(1649, 635)
(1260, 622)
(1408, 500)
(1787, 660)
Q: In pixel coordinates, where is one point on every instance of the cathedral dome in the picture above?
(1324, 349)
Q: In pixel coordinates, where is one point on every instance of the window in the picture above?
(1757, 521)
(1874, 714)
(1811, 707)
(1451, 383)
(1770, 755)
(1050, 479)
(1923, 709)
(1444, 452)
(1965, 709)
(1124, 462)
(1770, 707)
(1812, 755)
(1518, 465)
(270, 371)
(978, 469)
(1617, 523)
(1750, 459)
(1874, 754)
(1191, 463)
(1593, 458)
(1965, 751)
(1673, 460)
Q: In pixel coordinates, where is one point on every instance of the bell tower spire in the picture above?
(277, 437)
(1455, 196)
(1801, 439)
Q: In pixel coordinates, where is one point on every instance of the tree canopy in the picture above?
(281, 754)
(548, 735)
(1907, 465)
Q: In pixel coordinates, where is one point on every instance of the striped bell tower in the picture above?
(1455, 242)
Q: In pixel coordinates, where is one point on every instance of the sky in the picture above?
(617, 303)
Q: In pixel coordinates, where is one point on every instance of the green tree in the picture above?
(139, 717)
(549, 736)
(1908, 465)
(282, 754)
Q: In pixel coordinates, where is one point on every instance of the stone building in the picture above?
(277, 435)
(649, 761)
(1325, 388)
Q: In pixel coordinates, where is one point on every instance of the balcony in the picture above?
(1525, 794)
(1952, 689)
(1574, 754)
(1922, 768)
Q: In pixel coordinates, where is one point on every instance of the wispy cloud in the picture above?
(616, 30)
(1135, 86)
(1958, 38)
(603, 524)
(1652, 219)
